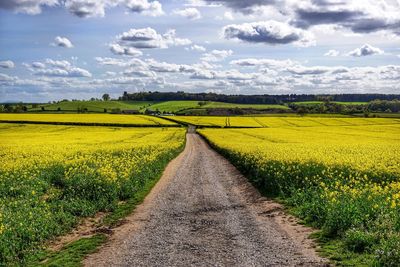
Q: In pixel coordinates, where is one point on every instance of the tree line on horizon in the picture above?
(253, 99)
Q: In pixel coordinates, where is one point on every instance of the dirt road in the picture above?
(203, 212)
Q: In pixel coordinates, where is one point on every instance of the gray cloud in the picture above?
(31, 7)
(96, 8)
(84, 8)
(358, 16)
(244, 6)
(268, 32)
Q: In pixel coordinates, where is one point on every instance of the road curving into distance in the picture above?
(203, 212)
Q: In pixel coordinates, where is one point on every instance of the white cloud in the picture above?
(57, 68)
(197, 48)
(142, 38)
(4, 78)
(153, 8)
(228, 15)
(62, 64)
(366, 50)
(148, 38)
(171, 39)
(38, 65)
(138, 73)
(62, 42)
(72, 73)
(270, 63)
(216, 55)
(268, 32)
(108, 61)
(200, 3)
(86, 8)
(189, 13)
(332, 53)
(123, 50)
(7, 64)
(156, 66)
(316, 70)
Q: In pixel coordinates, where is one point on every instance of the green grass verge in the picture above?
(71, 255)
(335, 250)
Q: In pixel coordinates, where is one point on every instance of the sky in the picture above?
(79, 49)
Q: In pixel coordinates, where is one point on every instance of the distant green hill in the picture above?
(94, 106)
(336, 102)
(176, 106)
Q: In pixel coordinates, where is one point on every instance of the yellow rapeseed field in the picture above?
(52, 175)
(344, 179)
(273, 122)
(87, 118)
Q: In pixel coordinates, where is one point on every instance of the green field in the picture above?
(175, 106)
(94, 106)
(336, 102)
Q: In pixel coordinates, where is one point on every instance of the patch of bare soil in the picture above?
(87, 228)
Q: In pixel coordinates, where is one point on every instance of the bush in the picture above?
(357, 240)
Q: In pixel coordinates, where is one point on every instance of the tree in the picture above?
(302, 111)
(202, 103)
(8, 108)
(106, 97)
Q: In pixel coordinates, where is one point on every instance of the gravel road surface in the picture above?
(203, 212)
